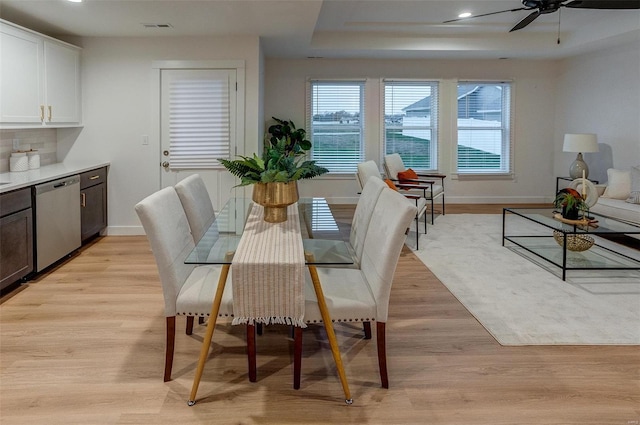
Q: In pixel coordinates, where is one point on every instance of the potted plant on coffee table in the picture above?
(275, 173)
(571, 203)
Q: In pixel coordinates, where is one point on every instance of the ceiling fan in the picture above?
(542, 7)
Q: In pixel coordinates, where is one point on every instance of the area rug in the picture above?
(525, 302)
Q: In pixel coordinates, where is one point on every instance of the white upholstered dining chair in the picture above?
(362, 295)
(369, 169)
(369, 194)
(197, 204)
(394, 165)
(188, 289)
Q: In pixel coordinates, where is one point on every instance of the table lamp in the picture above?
(579, 143)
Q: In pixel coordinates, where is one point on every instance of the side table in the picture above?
(569, 179)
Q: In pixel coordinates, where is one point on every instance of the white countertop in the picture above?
(19, 179)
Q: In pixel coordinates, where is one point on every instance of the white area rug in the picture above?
(525, 303)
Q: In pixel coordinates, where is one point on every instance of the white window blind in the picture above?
(336, 124)
(199, 121)
(484, 128)
(411, 122)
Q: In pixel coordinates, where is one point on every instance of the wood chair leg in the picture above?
(200, 320)
(328, 326)
(251, 351)
(211, 325)
(171, 340)
(297, 356)
(259, 328)
(189, 329)
(367, 330)
(382, 353)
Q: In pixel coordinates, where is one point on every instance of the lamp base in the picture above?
(577, 166)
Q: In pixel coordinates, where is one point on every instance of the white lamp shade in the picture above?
(580, 143)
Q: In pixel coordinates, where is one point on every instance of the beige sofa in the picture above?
(620, 196)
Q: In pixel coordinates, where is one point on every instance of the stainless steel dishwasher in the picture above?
(57, 220)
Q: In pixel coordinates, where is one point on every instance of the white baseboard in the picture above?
(124, 231)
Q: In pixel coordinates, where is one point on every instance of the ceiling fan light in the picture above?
(464, 15)
(75, 1)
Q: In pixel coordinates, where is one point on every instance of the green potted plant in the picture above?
(275, 173)
(571, 202)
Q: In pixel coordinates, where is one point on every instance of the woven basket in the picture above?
(576, 243)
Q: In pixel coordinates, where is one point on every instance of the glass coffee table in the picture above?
(538, 231)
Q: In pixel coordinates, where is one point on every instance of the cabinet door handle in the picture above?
(49, 113)
(83, 199)
(41, 112)
(94, 177)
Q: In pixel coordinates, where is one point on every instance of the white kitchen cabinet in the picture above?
(39, 80)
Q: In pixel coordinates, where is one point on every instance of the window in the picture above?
(411, 122)
(336, 124)
(484, 128)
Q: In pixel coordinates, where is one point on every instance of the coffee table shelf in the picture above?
(532, 230)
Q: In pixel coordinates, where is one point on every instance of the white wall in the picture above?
(600, 93)
(117, 93)
(535, 87)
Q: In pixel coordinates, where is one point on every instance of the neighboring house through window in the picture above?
(336, 124)
(411, 122)
(484, 128)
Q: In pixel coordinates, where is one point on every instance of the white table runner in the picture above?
(268, 271)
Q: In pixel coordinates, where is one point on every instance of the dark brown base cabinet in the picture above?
(93, 202)
(16, 236)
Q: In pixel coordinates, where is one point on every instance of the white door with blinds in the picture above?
(198, 126)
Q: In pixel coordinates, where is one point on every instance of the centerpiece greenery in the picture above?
(275, 173)
(282, 159)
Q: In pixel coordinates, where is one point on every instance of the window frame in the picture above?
(507, 140)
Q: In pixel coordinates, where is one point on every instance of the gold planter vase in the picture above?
(275, 198)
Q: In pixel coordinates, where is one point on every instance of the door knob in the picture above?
(165, 164)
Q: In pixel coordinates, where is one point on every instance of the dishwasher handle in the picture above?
(57, 184)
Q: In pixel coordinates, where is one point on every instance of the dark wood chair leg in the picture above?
(367, 330)
(382, 353)
(297, 356)
(443, 202)
(251, 351)
(259, 328)
(189, 330)
(201, 320)
(171, 339)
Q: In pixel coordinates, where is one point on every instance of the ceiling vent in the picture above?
(157, 25)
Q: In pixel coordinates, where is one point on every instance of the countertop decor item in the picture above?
(34, 159)
(18, 161)
(276, 172)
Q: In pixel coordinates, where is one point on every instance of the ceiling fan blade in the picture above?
(604, 4)
(486, 14)
(526, 21)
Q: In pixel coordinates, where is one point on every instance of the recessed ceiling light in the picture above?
(464, 15)
(75, 1)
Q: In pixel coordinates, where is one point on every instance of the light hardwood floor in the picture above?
(84, 344)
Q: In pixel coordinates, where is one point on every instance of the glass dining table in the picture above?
(321, 234)
(324, 242)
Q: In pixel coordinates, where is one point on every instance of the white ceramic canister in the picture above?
(34, 159)
(18, 161)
